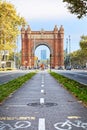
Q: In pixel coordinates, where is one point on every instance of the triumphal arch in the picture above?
(54, 40)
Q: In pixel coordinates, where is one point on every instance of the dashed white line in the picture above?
(41, 100)
(42, 85)
(42, 91)
(41, 125)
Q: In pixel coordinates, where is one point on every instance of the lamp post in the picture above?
(50, 62)
(18, 52)
(69, 44)
(66, 46)
(69, 50)
(66, 53)
(34, 51)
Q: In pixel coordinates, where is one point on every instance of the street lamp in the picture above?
(69, 44)
(66, 46)
(69, 50)
(34, 51)
(50, 62)
(16, 53)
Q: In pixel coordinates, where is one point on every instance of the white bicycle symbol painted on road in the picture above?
(67, 125)
(19, 124)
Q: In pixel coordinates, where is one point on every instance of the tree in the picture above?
(9, 24)
(79, 57)
(78, 7)
(76, 58)
(83, 43)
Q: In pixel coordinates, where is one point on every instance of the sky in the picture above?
(48, 13)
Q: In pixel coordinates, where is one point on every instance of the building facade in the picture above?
(43, 54)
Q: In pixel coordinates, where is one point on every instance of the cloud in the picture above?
(41, 9)
(47, 13)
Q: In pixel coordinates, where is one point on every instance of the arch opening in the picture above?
(42, 56)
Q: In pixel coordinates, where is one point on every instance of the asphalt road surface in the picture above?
(42, 104)
(6, 76)
(77, 75)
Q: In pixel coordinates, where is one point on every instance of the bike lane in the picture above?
(42, 104)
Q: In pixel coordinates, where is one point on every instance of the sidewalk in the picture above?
(42, 100)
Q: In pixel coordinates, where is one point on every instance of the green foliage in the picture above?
(9, 23)
(83, 42)
(79, 57)
(77, 89)
(77, 7)
(11, 86)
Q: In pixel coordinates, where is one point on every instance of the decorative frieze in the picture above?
(43, 36)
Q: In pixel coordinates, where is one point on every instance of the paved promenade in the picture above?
(42, 104)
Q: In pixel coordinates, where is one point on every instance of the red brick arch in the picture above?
(54, 40)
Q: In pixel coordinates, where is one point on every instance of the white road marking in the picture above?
(42, 91)
(41, 100)
(74, 117)
(42, 85)
(16, 105)
(41, 124)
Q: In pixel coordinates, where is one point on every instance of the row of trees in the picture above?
(10, 22)
(79, 57)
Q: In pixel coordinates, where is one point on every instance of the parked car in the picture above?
(68, 67)
(60, 68)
